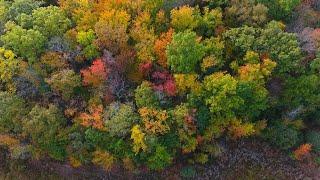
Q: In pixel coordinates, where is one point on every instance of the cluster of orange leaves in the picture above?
(302, 151)
(9, 141)
(238, 129)
(93, 119)
(160, 46)
(251, 72)
(154, 120)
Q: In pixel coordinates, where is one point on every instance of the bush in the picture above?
(282, 136)
(160, 159)
(313, 137)
(188, 172)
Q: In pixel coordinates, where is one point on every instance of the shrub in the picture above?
(313, 138)
(282, 136)
(188, 172)
(104, 159)
(302, 151)
(160, 159)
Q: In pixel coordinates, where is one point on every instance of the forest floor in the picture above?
(246, 159)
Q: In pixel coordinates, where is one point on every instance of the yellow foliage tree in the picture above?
(145, 37)
(138, 138)
(154, 120)
(184, 18)
(238, 129)
(9, 67)
(103, 159)
(186, 82)
(256, 72)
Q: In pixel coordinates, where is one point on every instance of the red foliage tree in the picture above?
(95, 75)
(163, 81)
(145, 68)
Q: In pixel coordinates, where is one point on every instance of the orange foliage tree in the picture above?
(93, 118)
(160, 47)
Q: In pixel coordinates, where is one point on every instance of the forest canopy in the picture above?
(147, 82)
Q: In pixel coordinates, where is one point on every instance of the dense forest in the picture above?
(145, 84)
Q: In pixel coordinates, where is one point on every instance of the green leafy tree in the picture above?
(209, 21)
(12, 111)
(145, 96)
(220, 93)
(184, 52)
(4, 6)
(85, 39)
(255, 98)
(246, 12)
(64, 82)
(313, 137)
(160, 159)
(22, 7)
(25, 43)
(282, 47)
(50, 21)
(119, 119)
(303, 92)
(44, 126)
(280, 9)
